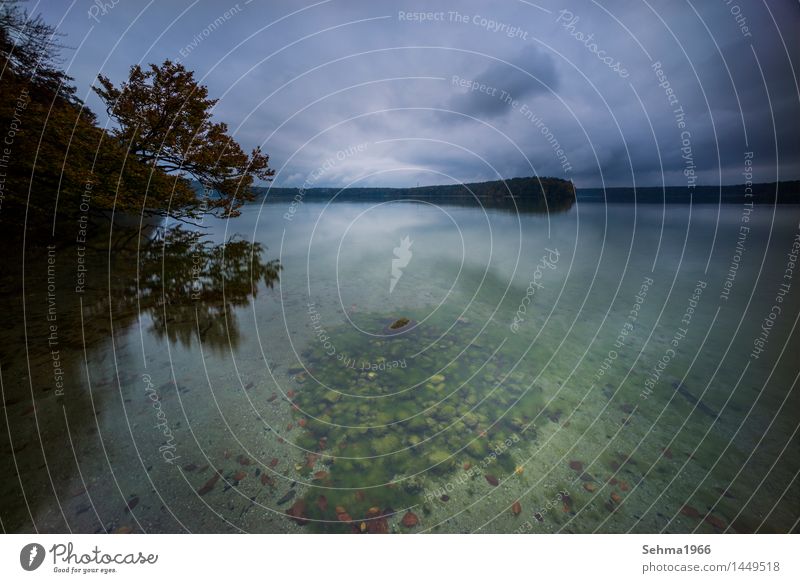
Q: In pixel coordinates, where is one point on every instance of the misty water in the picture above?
(594, 369)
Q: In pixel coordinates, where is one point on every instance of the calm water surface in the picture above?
(599, 369)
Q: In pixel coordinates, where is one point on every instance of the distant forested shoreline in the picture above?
(555, 191)
(531, 189)
(787, 192)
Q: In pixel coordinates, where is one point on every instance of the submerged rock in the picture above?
(298, 512)
(725, 493)
(399, 324)
(715, 521)
(412, 486)
(377, 526)
(410, 520)
(690, 511)
(286, 497)
(209, 485)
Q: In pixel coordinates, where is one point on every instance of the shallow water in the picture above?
(591, 363)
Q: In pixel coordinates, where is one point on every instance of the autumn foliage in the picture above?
(57, 162)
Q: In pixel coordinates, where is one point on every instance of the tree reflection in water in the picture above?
(190, 287)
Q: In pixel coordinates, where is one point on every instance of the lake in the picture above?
(410, 366)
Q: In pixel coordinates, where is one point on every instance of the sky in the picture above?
(378, 93)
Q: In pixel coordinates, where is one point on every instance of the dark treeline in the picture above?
(787, 192)
(542, 192)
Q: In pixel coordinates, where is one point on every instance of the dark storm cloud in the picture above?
(311, 81)
(491, 93)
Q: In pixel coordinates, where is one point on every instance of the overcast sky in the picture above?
(343, 92)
